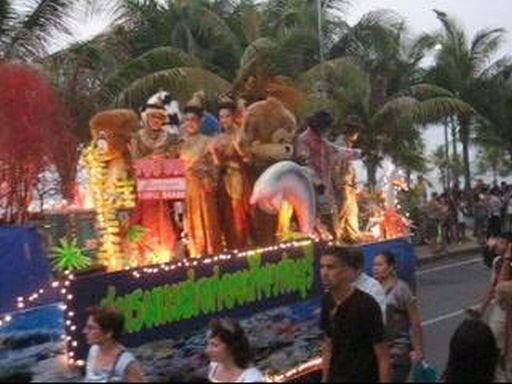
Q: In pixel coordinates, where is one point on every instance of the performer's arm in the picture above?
(345, 152)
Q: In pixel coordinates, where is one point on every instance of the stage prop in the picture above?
(286, 188)
(172, 300)
(25, 266)
(160, 179)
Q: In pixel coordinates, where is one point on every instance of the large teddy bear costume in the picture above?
(269, 128)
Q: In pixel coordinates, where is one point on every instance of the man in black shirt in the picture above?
(354, 347)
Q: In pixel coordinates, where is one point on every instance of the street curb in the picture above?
(425, 260)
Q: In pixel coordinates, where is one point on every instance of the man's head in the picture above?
(320, 122)
(352, 127)
(340, 266)
(503, 240)
(153, 113)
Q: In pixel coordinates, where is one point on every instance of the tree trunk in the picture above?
(447, 154)
(408, 178)
(455, 155)
(371, 172)
(442, 176)
(464, 138)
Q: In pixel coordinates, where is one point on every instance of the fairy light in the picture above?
(139, 272)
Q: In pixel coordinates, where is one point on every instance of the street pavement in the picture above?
(445, 287)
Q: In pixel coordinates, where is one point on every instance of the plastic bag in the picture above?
(423, 372)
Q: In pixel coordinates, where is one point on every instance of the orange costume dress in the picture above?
(156, 216)
(234, 190)
(201, 216)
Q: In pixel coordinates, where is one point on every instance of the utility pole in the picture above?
(323, 84)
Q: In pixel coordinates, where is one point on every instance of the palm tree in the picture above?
(391, 127)
(495, 105)
(493, 152)
(379, 79)
(192, 26)
(464, 67)
(26, 32)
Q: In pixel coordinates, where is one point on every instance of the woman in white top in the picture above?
(230, 354)
(108, 360)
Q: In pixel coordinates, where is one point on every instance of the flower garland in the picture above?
(108, 196)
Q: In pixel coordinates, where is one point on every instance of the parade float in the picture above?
(256, 259)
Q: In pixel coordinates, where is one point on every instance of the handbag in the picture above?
(424, 372)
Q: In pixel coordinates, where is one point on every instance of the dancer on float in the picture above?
(201, 209)
(231, 154)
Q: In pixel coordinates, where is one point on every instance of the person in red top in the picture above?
(314, 151)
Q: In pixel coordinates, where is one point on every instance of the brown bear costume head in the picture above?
(270, 128)
(111, 132)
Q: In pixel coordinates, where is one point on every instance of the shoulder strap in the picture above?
(116, 361)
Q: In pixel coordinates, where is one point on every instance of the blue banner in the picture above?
(24, 266)
(159, 302)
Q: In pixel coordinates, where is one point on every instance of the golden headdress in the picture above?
(226, 102)
(196, 104)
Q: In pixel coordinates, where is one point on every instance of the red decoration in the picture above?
(160, 179)
(32, 124)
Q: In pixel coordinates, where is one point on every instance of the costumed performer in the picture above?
(209, 124)
(153, 141)
(231, 154)
(201, 215)
(347, 223)
(314, 151)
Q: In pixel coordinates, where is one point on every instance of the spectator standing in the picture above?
(496, 316)
(364, 282)
(108, 359)
(473, 354)
(436, 215)
(420, 190)
(480, 215)
(401, 317)
(494, 205)
(354, 348)
(230, 354)
(507, 225)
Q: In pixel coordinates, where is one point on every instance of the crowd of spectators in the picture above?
(450, 216)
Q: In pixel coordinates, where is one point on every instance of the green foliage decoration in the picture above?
(68, 256)
(135, 233)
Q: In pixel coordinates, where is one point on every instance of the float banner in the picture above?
(162, 304)
(160, 179)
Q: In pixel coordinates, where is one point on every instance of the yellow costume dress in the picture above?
(201, 216)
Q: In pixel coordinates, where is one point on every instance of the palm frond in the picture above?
(343, 78)
(155, 60)
(420, 45)
(436, 109)
(261, 48)
(32, 33)
(486, 41)
(251, 21)
(7, 17)
(212, 25)
(396, 112)
(425, 91)
(182, 82)
(500, 67)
